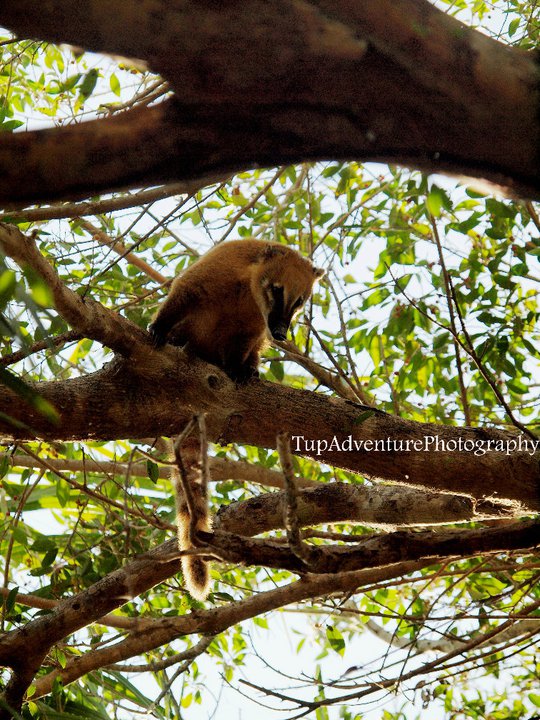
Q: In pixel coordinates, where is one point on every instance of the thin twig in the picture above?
(290, 515)
(122, 250)
(254, 200)
(335, 363)
(184, 480)
(185, 656)
(205, 461)
(325, 377)
(53, 342)
(450, 301)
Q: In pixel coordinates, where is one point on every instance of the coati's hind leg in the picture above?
(176, 306)
(242, 364)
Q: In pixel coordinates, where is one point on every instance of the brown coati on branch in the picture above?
(224, 307)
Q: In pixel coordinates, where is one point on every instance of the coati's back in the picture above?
(225, 305)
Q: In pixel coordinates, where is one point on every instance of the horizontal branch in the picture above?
(155, 393)
(220, 469)
(319, 79)
(108, 204)
(381, 505)
(377, 550)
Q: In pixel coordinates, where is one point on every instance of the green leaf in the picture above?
(89, 83)
(436, 200)
(516, 22)
(49, 557)
(115, 84)
(359, 419)
(277, 370)
(502, 345)
(40, 290)
(11, 599)
(335, 638)
(8, 283)
(4, 464)
(10, 125)
(152, 470)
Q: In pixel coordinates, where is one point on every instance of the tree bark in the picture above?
(126, 401)
(378, 557)
(271, 83)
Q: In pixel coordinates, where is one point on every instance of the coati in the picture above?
(224, 306)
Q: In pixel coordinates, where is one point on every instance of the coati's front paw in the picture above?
(159, 338)
(244, 374)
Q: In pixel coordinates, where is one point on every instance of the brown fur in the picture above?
(224, 307)
(191, 491)
(194, 569)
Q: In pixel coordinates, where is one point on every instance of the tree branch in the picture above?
(106, 205)
(381, 506)
(86, 316)
(319, 79)
(337, 568)
(220, 469)
(216, 620)
(155, 393)
(375, 550)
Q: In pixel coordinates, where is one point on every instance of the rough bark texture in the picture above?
(271, 83)
(337, 502)
(262, 84)
(123, 401)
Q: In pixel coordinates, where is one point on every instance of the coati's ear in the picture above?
(319, 272)
(272, 250)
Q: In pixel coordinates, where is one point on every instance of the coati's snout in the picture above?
(279, 331)
(279, 317)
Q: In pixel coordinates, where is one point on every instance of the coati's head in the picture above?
(282, 282)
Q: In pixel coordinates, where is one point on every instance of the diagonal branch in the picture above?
(86, 316)
(338, 570)
(216, 620)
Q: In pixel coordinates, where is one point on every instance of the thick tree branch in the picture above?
(156, 392)
(376, 550)
(382, 505)
(36, 601)
(319, 79)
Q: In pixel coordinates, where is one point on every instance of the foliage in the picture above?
(431, 305)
